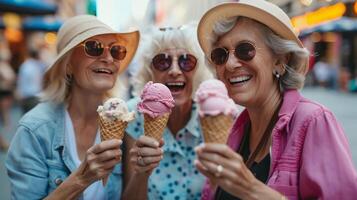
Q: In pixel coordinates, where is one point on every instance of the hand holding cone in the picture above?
(113, 120)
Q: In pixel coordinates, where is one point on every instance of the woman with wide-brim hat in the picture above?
(56, 152)
(283, 146)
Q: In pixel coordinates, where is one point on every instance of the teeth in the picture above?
(239, 79)
(175, 84)
(103, 70)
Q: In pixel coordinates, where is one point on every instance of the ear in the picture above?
(69, 69)
(280, 63)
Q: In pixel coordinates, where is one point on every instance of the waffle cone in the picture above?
(111, 130)
(216, 128)
(154, 127)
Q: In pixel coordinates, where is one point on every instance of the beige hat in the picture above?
(79, 28)
(259, 10)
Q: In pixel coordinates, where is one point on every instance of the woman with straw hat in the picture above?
(56, 152)
(283, 146)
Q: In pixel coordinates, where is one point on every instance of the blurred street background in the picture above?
(328, 29)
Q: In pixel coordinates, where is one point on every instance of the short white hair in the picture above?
(159, 40)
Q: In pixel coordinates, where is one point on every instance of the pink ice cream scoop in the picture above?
(156, 100)
(212, 98)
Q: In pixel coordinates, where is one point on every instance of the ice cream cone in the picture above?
(216, 128)
(154, 127)
(111, 130)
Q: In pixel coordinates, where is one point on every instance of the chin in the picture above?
(182, 101)
(103, 87)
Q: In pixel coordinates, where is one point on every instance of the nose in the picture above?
(106, 56)
(175, 69)
(232, 61)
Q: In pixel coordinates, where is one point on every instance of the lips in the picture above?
(103, 71)
(176, 86)
(240, 79)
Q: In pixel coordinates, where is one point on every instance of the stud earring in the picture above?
(276, 74)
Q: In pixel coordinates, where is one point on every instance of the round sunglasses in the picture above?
(94, 48)
(244, 51)
(186, 62)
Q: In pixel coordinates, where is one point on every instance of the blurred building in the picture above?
(32, 24)
(328, 29)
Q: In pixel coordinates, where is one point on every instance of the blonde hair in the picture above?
(159, 40)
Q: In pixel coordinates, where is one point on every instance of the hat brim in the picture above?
(256, 12)
(128, 39)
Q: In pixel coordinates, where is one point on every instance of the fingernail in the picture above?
(156, 143)
(195, 162)
(197, 148)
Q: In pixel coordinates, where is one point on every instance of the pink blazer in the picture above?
(310, 154)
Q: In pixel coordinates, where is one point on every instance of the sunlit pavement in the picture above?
(343, 105)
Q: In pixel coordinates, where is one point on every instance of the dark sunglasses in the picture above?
(244, 51)
(94, 48)
(186, 62)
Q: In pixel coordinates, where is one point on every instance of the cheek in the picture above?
(220, 72)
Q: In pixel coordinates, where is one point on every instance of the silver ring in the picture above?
(141, 161)
(219, 170)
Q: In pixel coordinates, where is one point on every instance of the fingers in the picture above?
(221, 149)
(108, 155)
(147, 141)
(146, 151)
(233, 162)
(146, 154)
(105, 145)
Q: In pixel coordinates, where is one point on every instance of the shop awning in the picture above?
(41, 24)
(28, 7)
(343, 24)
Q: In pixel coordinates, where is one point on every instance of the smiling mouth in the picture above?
(103, 71)
(175, 86)
(240, 79)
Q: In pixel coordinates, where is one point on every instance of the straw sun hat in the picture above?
(79, 28)
(259, 10)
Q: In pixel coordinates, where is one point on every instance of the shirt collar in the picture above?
(193, 124)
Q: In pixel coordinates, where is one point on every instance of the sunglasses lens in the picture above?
(245, 51)
(219, 56)
(161, 62)
(187, 62)
(93, 48)
(118, 52)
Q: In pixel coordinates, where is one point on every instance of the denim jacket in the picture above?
(38, 160)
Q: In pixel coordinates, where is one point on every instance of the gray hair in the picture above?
(159, 40)
(292, 78)
(57, 83)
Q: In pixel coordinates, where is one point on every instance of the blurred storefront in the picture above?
(328, 29)
(32, 24)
